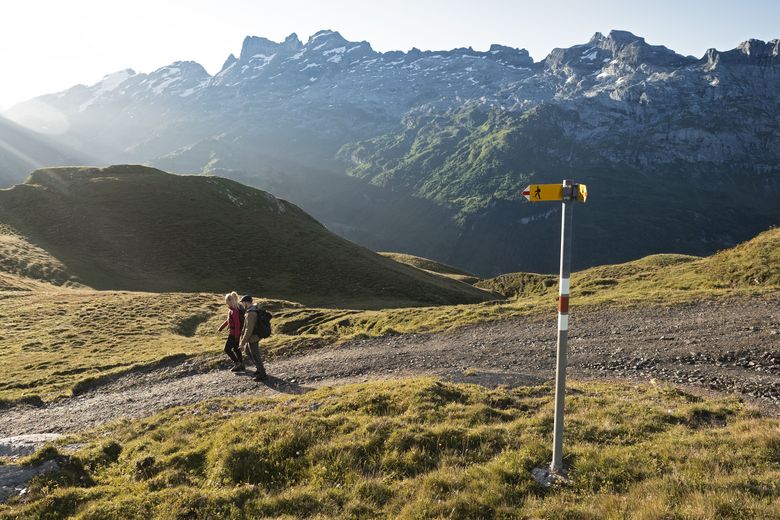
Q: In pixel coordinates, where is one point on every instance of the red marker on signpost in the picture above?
(566, 192)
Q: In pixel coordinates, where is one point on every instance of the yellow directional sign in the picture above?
(548, 192)
(581, 192)
(543, 192)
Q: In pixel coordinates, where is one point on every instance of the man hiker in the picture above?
(249, 336)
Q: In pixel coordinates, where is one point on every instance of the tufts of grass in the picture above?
(422, 448)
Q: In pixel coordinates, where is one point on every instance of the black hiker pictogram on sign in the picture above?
(549, 192)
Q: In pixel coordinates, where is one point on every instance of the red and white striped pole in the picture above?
(569, 197)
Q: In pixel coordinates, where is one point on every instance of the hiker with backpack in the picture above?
(235, 325)
(257, 325)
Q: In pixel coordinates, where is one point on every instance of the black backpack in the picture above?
(263, 324)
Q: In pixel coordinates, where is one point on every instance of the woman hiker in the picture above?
(235, 324)
(249, 336)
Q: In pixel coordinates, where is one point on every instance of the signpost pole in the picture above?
(563, 325)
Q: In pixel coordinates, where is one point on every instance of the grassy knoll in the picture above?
(432, 266)
(421, 449)
(56, 339)
(141, 229)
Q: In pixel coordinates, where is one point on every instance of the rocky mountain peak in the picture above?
(228, 62)
(632, 50)
(511, 55)
(760, 51)
(292, 43)
(750, 52)
(254, 45)
(624, 37)
(182, 68)
(326, 39)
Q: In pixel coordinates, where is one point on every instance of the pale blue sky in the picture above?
(46, 46)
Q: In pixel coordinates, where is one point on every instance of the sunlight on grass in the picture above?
(421, 448)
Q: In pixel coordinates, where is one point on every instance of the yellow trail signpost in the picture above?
(568, 193)
(548, 192)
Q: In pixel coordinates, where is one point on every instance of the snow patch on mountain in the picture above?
(190, 91)
(109, 83)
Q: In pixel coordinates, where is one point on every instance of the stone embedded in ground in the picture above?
(21, 445)
(14, 479)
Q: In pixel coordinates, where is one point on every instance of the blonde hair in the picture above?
(232, 300)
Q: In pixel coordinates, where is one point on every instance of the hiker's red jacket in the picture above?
(233, 322)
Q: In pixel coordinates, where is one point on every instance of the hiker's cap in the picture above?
(246, 298)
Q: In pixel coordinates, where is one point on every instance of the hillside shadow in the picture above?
(189, 325)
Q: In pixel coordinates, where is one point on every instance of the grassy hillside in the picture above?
(755, 263)
(464, 159)
(516, 285)
(421, 449)
(433, 266)
(137, 228)
(79, 336)
(22, 259)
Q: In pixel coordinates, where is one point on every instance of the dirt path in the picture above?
(727, 346)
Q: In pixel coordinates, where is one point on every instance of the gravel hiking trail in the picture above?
(724, 346)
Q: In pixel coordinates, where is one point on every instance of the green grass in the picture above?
(752, 264)
(19, 260)
(433, 266)
(52, 340)
(138, 228)
(422, 448)
(464, 159)
(56, 339)
(516, 285)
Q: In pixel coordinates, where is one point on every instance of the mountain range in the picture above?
(426, 152)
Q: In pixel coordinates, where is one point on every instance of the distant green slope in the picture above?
(473, 164)
(755, 263)
(464, 159)
(433, 266)
(138, 228)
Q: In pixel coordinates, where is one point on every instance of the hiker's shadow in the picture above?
(284, 386)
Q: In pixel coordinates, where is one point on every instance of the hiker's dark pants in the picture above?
(232, 350)
(254, 351)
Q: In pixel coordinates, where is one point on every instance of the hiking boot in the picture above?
(238, 368)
